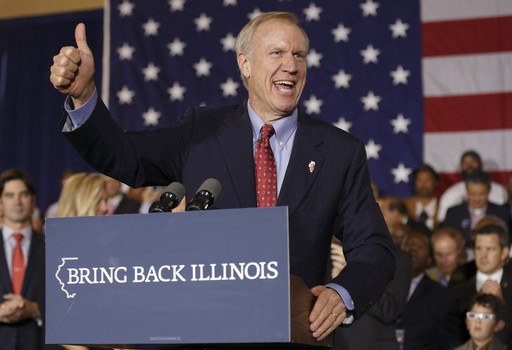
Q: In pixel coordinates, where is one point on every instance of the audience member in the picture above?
(449, 255)
(470, 161)
(466, 215)
(483, 319)
(423, 206)
(429, 319)
(52, 209)
(491, 253)
(22, 266)
(394, 211)
(117, 201)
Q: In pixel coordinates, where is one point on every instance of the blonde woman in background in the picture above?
(83, 195)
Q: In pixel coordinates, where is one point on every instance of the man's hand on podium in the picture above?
(328, 312)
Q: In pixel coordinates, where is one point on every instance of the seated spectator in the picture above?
(466, 215)
(117, 201)
(423, 206)
(449, 256)
(429, 319)
(470, 161)
(483, 320)
(491, 255)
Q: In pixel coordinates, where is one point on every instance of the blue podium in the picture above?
(199, 278)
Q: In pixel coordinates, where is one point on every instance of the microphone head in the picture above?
(175, 188)
(211, 185)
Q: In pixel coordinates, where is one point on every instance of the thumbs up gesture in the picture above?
(72, 72)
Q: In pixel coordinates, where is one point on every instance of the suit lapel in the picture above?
(304, 166)
(235, 141)
(33, 259)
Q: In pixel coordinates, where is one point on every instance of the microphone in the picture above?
(206, 195)
(170, 198)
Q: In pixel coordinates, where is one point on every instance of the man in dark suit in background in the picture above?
(321, 171)
(466, 215)
(430, 319)
(21, 266)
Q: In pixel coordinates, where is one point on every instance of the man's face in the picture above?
(425, 184)
(469, 164)
(489, 255)
(477, 195)
(275, 69)
(418, 246)
(113, 187)
(446, 255)
(16, 203)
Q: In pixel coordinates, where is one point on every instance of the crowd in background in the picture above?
(453, 281)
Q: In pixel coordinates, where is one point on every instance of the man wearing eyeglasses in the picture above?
(491, 252)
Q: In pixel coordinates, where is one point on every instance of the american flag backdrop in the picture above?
(416, 80)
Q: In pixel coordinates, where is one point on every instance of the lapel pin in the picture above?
(311, 166)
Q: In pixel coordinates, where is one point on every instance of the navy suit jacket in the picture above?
(336, 197)
(25, 335)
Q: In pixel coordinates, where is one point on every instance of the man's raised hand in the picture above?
(72, 72)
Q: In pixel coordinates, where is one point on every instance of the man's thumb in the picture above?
(81, 40)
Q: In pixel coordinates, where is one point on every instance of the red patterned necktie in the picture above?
(265, 169)
(18, 264)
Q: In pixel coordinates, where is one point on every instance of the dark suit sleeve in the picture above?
(134, 158)
(368, 247)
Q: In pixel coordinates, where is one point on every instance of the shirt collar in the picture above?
(284, 127)
(482, 277)
(7, 232)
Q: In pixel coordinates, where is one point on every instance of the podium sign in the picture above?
(219, 276)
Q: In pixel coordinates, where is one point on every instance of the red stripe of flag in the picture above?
(467, 36)
(468, 112)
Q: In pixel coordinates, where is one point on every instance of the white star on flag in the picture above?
(341, 33)
(125, 8)
(400, 124)
(227, 3)
(125, 52)
(370, 54)
(151, 72)
(312, 12)
(229, 87)
(401, 173)
(313, 59)
(176, 47)
(341, 79)
(125, 95)
(151, 117)
(399, 29)
(369, 8)
(371, 101)
(177, 5)
(313, 105)
(203, 22)
(228, 42)
(372, 149)
(176, 91)
(400, 75)
(202, 67)
(343, 124)
(151, 27)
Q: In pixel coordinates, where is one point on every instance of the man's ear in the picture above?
(244, 64)
(499, 326)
